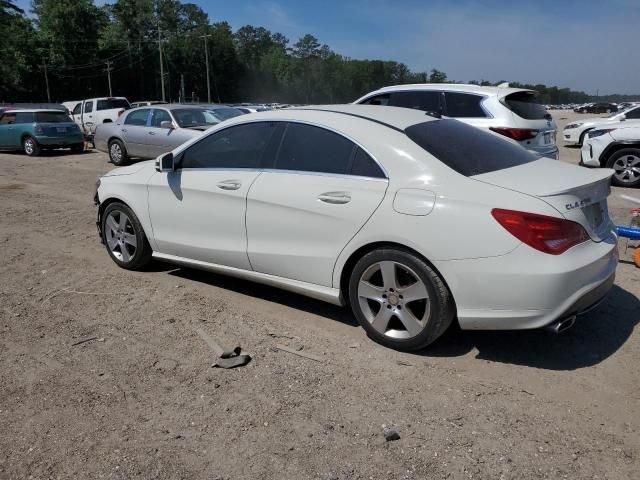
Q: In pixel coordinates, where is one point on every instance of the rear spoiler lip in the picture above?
(603, 173)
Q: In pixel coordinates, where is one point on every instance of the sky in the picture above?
(589, 45)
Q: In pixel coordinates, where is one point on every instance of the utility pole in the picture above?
(161, 66)
(108, 70)
(206, 59)
(46, 79)
(182, 88)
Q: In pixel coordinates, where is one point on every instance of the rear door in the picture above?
(302, 212)
(135, 133)
(7, 126)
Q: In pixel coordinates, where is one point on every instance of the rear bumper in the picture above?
(549, 152)
(62, 141)
(526, 289)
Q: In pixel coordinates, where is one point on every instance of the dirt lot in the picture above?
(141, 401)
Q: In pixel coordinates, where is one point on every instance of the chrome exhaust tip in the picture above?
(561, 325)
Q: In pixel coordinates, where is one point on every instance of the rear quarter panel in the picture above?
(104, 134)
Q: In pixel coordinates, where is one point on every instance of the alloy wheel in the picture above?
(29, 146)
(394, 300)
(116, 153)
(627, 168)
(120, 236)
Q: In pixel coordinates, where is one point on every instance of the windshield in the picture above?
(225, 113)
(52, 117)
(195, 117)
(466, 149)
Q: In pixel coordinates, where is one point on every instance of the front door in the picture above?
(164, 140)
(135, 133)
(198, 211)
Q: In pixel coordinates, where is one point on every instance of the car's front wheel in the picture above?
(124, 237)
(30, 146)
(117, 153)
(399, 299)
(626, 163)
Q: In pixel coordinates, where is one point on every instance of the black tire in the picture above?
(77, 148)
(441, 305)
(118, 153)
(136, 258)
(621, 179)
(30, 146)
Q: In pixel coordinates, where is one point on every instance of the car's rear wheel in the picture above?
(626, 163)
(117, 153)
(124, 237)
(399, 299)
(31, 147)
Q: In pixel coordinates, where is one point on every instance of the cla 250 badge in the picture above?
(578, 204)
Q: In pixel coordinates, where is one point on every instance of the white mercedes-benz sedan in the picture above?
(413, 222)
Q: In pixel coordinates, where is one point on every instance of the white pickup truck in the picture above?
(88, 114)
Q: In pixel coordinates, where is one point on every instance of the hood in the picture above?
(593, 121)
(130, 169)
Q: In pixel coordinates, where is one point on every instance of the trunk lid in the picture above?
(579, 194)
(59, 129)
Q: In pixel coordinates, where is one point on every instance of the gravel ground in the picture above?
(141, 401)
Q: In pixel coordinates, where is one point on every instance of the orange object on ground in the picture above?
(636, 257)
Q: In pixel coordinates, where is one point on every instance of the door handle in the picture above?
(152, 133)
(123, 130)
(335, 198)
(229, 184)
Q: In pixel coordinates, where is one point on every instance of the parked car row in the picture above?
(574, 133)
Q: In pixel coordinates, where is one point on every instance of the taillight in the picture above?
(518, 134)
(120, 113)
(39, 130)
(547, 234)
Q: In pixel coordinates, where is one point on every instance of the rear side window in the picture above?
(8, 119)
(52, 117)
(24, 117)
(314, 149)
(240, 146)
(110, 103)
(464, 105)
(419, 100)
(138, 117)
(526, 105)
(467, 150)
(365, 166)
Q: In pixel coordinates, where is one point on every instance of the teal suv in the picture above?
(34, 130)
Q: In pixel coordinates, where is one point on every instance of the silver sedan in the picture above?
(151, 131)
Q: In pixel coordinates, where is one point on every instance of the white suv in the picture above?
(575, 132)
(513, 112)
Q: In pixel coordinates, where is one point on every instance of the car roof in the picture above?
(33, 110)
(392, 117)
(458, 87)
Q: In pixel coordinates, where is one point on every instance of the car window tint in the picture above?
(419, 100)
(526, 105)
(88, 107)
(365, 166)
(77, 109)
(160, 116)
(52, 117)
(24, 117)
(8, 118)
(464, 105)
(240, 146)
(108, 104)
(377, 100)
(633, 114)
(137, 117)
(466, 149)
(313, 149)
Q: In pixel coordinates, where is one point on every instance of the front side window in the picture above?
(377, 100)
(88, 107)
(633, 114)
(77, 109)
(464, 105)
(467, 150)
(313, 149)
(194, 117)
(160, 116)
(240, 146)
(138, 117)
(8, 119)
(427, 101)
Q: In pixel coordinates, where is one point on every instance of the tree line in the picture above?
(72, 47)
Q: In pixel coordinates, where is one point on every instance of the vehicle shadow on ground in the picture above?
(270, 294)
(48, 153)
(596, 336)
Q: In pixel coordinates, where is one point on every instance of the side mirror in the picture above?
(165, 163)
(166, 124)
